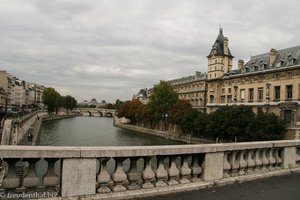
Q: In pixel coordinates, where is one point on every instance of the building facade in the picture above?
(268, 82)
(19, 94)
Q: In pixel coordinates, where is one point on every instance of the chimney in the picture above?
(240, 64)
(273, 53)
(225, 47)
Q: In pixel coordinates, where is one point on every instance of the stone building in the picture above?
(268, 82)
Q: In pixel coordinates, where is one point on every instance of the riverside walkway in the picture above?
(285, 187)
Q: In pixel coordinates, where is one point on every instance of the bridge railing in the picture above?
(119, 172)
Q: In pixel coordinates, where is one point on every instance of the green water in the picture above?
(94, 131)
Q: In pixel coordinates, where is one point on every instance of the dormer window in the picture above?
(279, 63)
(290, 60)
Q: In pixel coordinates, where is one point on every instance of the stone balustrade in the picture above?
(119, 172)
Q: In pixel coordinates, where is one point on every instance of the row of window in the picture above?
(260, 93)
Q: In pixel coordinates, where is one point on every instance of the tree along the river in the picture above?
(162, 99)
(52, 99)
(69, 102)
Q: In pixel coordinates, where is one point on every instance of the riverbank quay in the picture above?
(143, 171)
(165, 134)
(35, 129)
(16, 130)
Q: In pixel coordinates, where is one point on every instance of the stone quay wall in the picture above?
(138, 171)
(122, 123)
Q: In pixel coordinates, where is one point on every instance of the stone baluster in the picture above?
(185, 170)
(3, 173)
(196, 168)
(226, 164)
(103, 177)
(51, 180)
(20, 172)
(134, 176)
(242, 163)
(161, 173)
(119, 176)
(148, 173)
(265, 161)
(271, 158)
(277, 156)
(257, 160)
(298, 156)
(250, 161)
(234, 164)
(32, 180)
(11, 181)
(173, 171)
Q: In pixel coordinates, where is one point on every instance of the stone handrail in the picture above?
(125, 171)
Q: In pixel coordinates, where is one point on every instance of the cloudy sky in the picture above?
(109, 49)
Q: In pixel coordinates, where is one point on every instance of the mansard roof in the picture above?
(218, 46)
(284, 59)
(189, 79)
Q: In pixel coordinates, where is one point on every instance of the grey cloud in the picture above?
(109, 49)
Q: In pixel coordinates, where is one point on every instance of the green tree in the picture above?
(69, 102)
(188, 122)
(162, 99)
(52, 99)
(267, 126)
(118, 104)
(202, 125)
(231, 122)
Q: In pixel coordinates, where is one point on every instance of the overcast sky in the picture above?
(109, 49)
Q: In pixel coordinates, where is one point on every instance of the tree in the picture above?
(162, 99)
(129, 110)
(267, 126)
(188, 120)
(69, 102)
(109, 106)
(177, 111)
(202, 125)
(52, 99)
(230, 122)
(118, 104)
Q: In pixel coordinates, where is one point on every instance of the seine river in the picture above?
(94, 131)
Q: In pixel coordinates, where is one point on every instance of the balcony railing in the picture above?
(111, 172)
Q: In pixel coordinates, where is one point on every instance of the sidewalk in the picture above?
(285, 187)
(34, 131)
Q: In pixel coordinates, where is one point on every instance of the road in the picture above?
(285, 187)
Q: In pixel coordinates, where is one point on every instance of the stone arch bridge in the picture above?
(101, 112)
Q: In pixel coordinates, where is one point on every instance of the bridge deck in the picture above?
(285, 187)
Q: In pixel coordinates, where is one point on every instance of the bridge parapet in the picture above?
(119, 172)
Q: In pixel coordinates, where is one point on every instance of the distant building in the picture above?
(19, 94)
(142, 95)
(268, 82)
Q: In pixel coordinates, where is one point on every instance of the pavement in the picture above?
(34, 131)
(286, 187)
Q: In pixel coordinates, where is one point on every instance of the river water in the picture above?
(94, 131)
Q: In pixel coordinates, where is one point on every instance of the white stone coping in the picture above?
(132, 151)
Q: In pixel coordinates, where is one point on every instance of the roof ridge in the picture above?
(278, 51)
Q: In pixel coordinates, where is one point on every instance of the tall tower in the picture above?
(220, 58)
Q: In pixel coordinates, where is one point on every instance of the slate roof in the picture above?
(189, 79)
(218, 46)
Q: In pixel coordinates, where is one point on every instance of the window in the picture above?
(277, 93)
(251, 94)
(278, 64)
(242, 94)
(229, 90)
(290, 74)
(229, 99)
(223, 90)
(260, 94)
(222, 99)
(289, 91)
(212, 98)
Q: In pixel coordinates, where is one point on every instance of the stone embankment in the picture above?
(16, 130)
(165, 134)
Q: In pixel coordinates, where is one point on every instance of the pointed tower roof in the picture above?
(218, 46)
